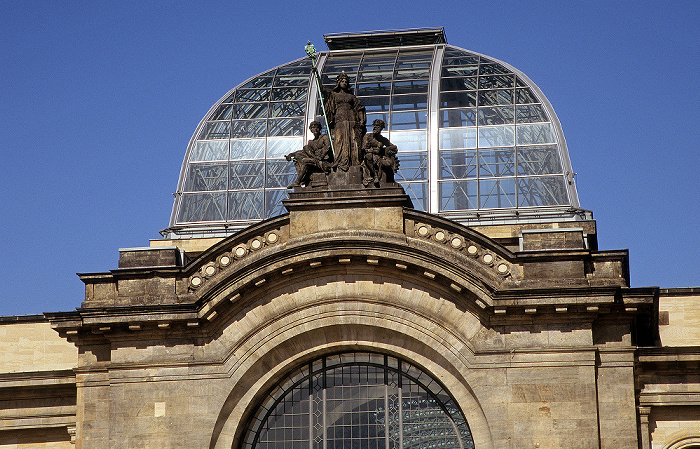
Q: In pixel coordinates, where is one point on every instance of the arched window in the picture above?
(358, 400)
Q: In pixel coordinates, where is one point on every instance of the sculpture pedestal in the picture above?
(345, 207)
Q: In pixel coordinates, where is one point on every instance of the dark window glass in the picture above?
(457, 84)
(250, 110)
(495, 97)
(288, 109)
(373, 89)
(223, 112)
(251, 95)
(499, 115)
(258, 82)
(374, 104)
(496, 81)
(491, 69)
(450, 118)
(289, 93)
(410, 87)
(410, 102)
(457, 99)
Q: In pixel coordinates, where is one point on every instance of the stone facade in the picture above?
(542, 347)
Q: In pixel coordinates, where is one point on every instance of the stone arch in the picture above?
(285, 330)
(685, 443)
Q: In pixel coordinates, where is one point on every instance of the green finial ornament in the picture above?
(310, 49)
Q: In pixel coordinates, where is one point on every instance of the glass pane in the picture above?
(247, 149)
(457, 138)
(497, 193)
(377, 104)
(288, 109)
(531, 114)
(496, 136)
(279, 173)
(496, 162)
(542, 191)
(458, 164)
(206, 177)
(278, 147)
(299, 80)
(385, 75)
(274, 206)
(418, 191)
(294, 70)
(223, 112)
(250, 110)
(286, 127)
(248, 128)
(258, 82)
(458, 195)
(450, 118)
(246, 175)
(215, 130)
(414, 73)
(410, 87)
(526, 96)
(496, 115)
(409, 120)
(460, 59)
(245, 205)
(202, 207)
(533, 134)
(496, 81)
(252, 95)
(337, 65)
(489, 69)
(457, 99)
(410, 102)
(409, 141)
(372, 89)
(538, 160)
(378, 63)
(460, 70)
(458, 84)
(408, 56)
(412, 167)
(495, 97)
(216, 150)
(289, 93)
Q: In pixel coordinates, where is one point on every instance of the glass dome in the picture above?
(477, 139)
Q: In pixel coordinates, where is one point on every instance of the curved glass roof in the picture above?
(476, 138)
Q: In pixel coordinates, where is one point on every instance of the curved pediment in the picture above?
(440, 255)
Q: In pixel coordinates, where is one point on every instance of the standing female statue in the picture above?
(346, 120)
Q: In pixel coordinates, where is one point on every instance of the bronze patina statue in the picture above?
(314, 157)
(346, 120)
(380, 161)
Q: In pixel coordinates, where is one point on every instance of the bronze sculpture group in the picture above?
(351, 145)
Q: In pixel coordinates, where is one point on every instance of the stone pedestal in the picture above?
(346, 206)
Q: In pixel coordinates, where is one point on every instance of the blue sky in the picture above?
(99, 99)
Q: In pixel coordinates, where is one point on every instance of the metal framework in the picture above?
(477, 139)
(358, 400)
